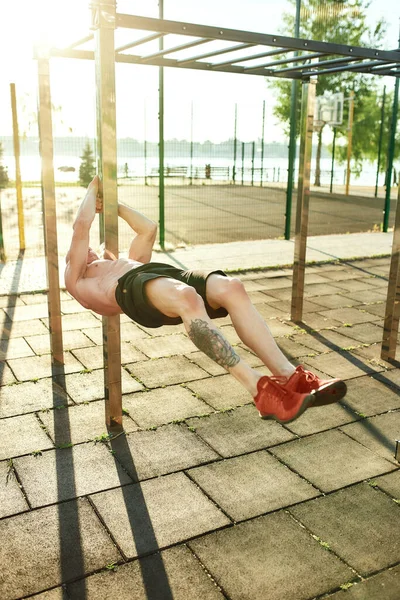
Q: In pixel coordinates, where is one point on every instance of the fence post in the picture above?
(262, 143)
(161, 189)
(234, 147)
(242, 162)
(253, 149)
(391, 149)
(18, 183)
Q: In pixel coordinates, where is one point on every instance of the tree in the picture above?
(340, 22)
(87, 169)
(3, 170)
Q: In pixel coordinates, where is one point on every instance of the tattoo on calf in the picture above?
(211, 342)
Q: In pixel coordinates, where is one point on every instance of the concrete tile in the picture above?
(239, 431)
(6, 375)
(67, 473)
(130, 332)
(248, 356)
(320, 418)
(163, 405)
(279, 329)
(12, 500)
(165, 371)
(23, 328)
(229, 333)
(390, 378)
(377, 433)
(344, 366)
(263, 558)
(21, 435)
(359, 523)
(169, 345)
(348, 315)
(27, 313)
(146, 454)
(174, 573)
(270, 311)
(57, 593)
(164, 511)
(162, 331)
(84, 387)
(38, 367)
(369, 397)
(220, 392)
(355, 285)
(35, 298)
(267, 284)
(293, 349)
(92, 358)
(317, 321)
(368, 296)
(376, 310)
(31, 396)
(250, 485)
(390, 484)
(70, 307)
(367, 333)
(335, 301)
(372, 354)
(320, 459)
(14, 348)
(205, 363)
(77, 321)
(385, 585)
(79, 423)
(11, 300)
(71, 339)
(316, 342)
(320, 289)
(35, 546)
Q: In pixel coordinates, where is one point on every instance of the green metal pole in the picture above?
(292, 135)
(234, 147)
(380, 139)
(391, 149)
(333, 160)
(253, 150)
(242, 162)
(191, 145)
(161, 138)
(145, 145)
(262, 144)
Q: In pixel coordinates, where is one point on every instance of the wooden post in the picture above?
(18, 183)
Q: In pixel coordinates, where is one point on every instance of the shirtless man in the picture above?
(155, 294)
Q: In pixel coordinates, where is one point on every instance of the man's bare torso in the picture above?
(96, 289)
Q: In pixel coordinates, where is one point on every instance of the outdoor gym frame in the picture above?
(316, 58)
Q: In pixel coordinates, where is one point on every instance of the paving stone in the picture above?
(14, 348)
(369, 397)
(336, 301)
(320, 459)
(250, 485)
(348, 315)
(12, 500)
(77, 321)
(174, 573)
(70, 307)
(44, 547)
(320, 418)
(377, 310)
(92, 358)
(367, 333)
(221, 392)
(169, 345)
(162, 331)
(330, 340)
(280, 294)
(164, 511)
(71, 339)
(166, 371)
(210, 366)
(320, 289)
(163, 405)
(37, 367)
(359, 523)
(345, 367)
(23, 328)
(315, 341)
(12, 300)
(269, 283)
(79, 423)
(248, 356)
(35, 298)
(291, 348)
(21, 435)
(6, 375)
(84, 387)
(377, 433)
(27, 313)
(270, 311)
(354, 285)
(386, 586)
(367, 296)
(390, 378)
(279, 329)
(262, 558)
(317, 321)
(67, 473)
(31, 396)
(229, 332)
(390, 484)
(373, 355)
(239, 431)
(57, 593)
(146, 454)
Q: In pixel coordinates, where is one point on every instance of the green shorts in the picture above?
(131, 293)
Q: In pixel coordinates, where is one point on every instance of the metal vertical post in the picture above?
(18, 183)
(303, 197)
(161, 189)
(145, 144)
(349, 140)
(292, 135)
(242, 163)
(380, 139)
(234, 147)
(262, 144)
(390, 156)
(49, 208)
(253, 150)
(333, 160)
(104, 25)
(392, 313)
(191, 144)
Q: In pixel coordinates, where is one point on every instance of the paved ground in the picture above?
(201, 499)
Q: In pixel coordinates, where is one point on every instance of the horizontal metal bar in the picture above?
(334, 61)
(285, 61)
(217, 33)
(174, 49)
(253, 57)
(82, 41)
(144, 40)
(215, 53)
(363, 66)
(66, 53)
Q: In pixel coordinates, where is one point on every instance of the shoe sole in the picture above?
(308, 400)
(329, 393)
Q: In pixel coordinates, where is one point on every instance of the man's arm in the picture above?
(142, 245)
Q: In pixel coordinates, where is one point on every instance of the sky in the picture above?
(211, 97)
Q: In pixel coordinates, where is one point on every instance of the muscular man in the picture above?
(155, 294)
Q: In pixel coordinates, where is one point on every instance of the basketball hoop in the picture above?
(329, 110)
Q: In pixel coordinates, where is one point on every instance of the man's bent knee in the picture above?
(189, 301)
(224, 290)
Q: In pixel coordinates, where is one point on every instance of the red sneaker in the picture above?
(275, 401)
(325, 391)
